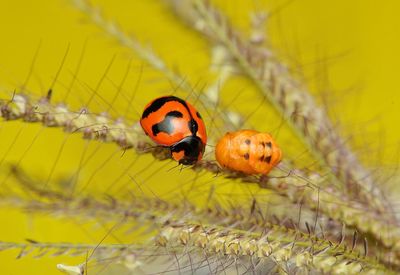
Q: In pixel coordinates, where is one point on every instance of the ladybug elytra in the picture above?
(248, 151)
(172, 122)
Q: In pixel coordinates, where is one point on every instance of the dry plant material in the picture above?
(286, 249)
(183, 228)
(179, 228)
(297, 187)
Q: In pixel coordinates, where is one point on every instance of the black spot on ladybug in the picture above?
(159, 102)
(166, 125)
(198, 115)
(193, 126)
(269, 144)
(174, 114)
(246, 156)
(247, 141)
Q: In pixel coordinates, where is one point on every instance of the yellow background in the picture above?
(347, 52)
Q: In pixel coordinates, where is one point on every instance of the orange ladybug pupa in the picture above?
(174, 123)
(248, 151)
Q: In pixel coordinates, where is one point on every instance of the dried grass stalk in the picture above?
(298, 187)
(181, 226)
(284, 248)
(154, 213)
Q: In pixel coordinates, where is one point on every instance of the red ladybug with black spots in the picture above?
(172, 122)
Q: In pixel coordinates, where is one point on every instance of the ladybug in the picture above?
(172, 122)
(248, 151)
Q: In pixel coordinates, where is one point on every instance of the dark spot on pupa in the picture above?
(198, 115)
(246, 156)
(269, 144)
(247, 141)
(265, 159)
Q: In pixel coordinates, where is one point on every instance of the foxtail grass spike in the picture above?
(154, 212)
(283, 248)
(297, 187)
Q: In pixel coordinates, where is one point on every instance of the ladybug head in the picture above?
(188, 151)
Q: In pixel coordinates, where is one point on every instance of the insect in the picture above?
(172, 122)
(248, 151)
